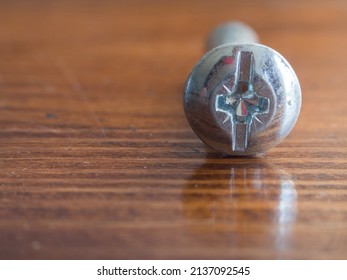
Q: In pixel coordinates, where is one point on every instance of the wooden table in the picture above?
(97, 160)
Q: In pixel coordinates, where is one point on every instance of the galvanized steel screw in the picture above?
(242, 98)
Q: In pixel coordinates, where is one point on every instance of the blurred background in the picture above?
(97, 160)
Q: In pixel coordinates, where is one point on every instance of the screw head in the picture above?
(242, 99)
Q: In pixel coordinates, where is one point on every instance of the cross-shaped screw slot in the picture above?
(241, 103)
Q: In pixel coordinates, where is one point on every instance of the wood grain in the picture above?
(97, 160)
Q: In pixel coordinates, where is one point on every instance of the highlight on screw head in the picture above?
(242, 98)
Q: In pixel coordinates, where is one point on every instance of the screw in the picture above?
(242, 98)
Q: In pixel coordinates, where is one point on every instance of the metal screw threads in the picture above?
(241, 98)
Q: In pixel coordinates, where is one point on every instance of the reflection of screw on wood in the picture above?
(241, 193)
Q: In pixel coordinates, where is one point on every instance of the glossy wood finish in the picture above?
(97, 160)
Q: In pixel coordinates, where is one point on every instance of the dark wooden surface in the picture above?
(97, 160)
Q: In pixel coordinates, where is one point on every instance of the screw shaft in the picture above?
(230, 33)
